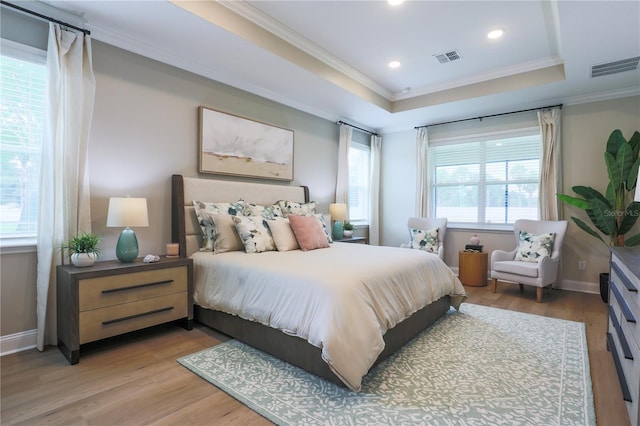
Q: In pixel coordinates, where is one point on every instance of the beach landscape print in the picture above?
(233, 145)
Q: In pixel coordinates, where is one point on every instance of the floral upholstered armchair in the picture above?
(535, 260)
(427, 234)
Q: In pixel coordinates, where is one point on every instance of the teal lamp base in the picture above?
(127, 246)
(337, 230)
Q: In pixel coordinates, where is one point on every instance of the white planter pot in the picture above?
(83, 259)
(347, 234)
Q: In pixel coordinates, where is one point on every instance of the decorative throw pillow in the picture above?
(294, 207)
(532, 247)
(308, 231)
(325, 220)
(425, 239)
(267, 212)
(226, 237)
(202, 209)
(282, 234)
(254, 233)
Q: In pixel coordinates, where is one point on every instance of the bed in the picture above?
(334, 312)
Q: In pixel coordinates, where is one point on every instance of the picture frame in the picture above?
(229, 144)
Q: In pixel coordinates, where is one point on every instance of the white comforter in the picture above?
(341, 299)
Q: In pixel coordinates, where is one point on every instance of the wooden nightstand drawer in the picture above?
(113, 290)
(101, 323)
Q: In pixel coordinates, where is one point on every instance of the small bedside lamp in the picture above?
(127, 212)
(338, 213)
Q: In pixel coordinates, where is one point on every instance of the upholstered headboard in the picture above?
(184, 224)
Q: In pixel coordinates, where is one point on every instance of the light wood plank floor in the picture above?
(135, 379)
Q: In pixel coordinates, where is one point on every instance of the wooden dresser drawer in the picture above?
(101, 323)
(113, 290)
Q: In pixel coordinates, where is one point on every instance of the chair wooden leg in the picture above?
(494, 284)
(539, 294)
(521, 287)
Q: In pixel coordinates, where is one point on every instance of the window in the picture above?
(22, 100)
(491, 180)
(359, 177)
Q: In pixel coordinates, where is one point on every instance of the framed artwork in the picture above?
(233, 145)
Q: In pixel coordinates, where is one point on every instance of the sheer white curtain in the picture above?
(342, 180)
(64, 181)
(374, 208)
(422, 189)
(550, 164)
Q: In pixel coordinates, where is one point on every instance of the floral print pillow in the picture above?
(294, 207)
(204, 209)
(254, 233)
(532, 247)
(425, 239)
(267, 212)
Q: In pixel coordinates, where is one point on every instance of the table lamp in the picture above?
(127, 212)
(338, 213)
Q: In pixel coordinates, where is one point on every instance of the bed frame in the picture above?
(186, 232)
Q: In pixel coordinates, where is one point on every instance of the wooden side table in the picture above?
(473, 268)
(357, 240)
(112, 298)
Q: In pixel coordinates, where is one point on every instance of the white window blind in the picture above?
(486, 179)
(359, 182)
(22, 100)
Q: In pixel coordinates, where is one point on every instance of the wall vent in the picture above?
(615, 67)
(450, 56)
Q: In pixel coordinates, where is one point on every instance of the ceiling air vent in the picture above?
(452, 55)
(615, 67)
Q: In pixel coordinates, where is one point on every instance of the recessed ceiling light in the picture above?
(495, 34)
(405, 90)
(394, 64)
(395, 2)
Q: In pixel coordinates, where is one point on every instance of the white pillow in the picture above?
(226, 237)
(532, 247)
(282, 234)
(254, 233)
(425, 239)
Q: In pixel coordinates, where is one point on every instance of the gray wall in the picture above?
(585, 130)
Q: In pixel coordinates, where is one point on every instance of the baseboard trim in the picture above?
(18, 342)
(581, 286)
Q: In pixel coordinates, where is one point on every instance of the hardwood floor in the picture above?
(135, 379)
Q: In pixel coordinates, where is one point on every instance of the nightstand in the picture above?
(473, 268)
(112, 298)
(357, 240)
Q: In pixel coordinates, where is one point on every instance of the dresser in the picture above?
(112, 298)
(623, 330)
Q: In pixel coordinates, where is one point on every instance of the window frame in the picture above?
(472, 138)
(28, 242)
(354, 144)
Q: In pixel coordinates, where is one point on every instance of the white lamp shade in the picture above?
(338, 211)
(127, 212)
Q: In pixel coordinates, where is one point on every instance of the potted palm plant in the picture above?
(614, 213)
(83, 249)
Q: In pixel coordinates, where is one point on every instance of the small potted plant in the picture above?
(347, 229)
(83, 249)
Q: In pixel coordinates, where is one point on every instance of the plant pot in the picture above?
(82, 260)
(347, 233)
(604, 287)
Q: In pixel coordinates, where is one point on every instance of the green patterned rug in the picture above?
(479, 366)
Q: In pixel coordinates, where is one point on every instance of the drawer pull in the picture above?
(626, 395)
(134, 287)
(621, 337)
(625, 280)
(142, 314)
(623, 304)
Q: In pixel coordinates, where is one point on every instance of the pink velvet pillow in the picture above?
(309, 232)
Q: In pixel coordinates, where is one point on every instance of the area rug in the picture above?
(479, 366)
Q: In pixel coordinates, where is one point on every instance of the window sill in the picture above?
(475, 227)
(18, 245)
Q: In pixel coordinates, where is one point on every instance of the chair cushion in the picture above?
(527, 269)
(532, 247)
(425, 239)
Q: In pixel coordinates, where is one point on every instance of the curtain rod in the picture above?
(46, 18)
(489, 116)
(362, 130)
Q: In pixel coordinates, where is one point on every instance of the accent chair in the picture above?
(419, 240)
